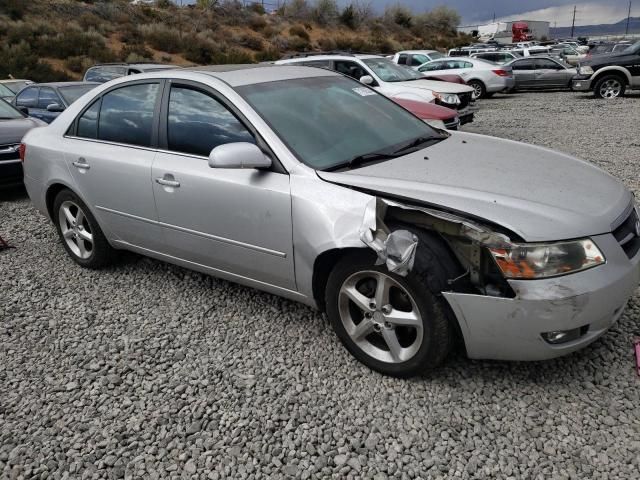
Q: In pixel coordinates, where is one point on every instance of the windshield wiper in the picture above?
(360, 160)
(418, 142)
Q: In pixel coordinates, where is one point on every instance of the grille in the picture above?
(9, 152)
(628, 234)
(465, 100)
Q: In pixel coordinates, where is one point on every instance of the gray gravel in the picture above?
(149, 370)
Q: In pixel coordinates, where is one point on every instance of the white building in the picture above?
(539, 29)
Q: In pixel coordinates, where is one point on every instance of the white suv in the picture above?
(415, 58)
(392, 80)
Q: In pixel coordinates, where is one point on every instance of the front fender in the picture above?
(610, 69)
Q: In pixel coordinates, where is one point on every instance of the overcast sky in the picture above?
(560, 11)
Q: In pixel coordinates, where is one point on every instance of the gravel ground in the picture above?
(149, 370)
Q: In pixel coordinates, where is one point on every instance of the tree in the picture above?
(348, 17)
(325, 12)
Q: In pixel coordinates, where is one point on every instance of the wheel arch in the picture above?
(50, 195)
(612, 70)
(322, 267)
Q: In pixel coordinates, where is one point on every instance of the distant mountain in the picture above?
(595, 30)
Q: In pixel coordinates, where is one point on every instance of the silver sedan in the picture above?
(541, 73)
(307, 184)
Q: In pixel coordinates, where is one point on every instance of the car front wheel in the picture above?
(392, 324)
(79, 232)
(479, 90)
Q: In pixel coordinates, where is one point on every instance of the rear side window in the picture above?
(402, 59)
(522, 65)
(351, 69)
(126, 115)
(27, 97)
(417, 60)
(198, 123)
(48, 97)
(88, 122)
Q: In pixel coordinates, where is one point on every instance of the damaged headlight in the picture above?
(450, 98)
(526, 261)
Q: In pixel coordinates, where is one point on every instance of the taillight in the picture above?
(22, 150)
(501, 73)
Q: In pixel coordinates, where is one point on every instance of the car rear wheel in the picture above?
(79, 232)
(609, 86)
(395, 325)
(479, 90)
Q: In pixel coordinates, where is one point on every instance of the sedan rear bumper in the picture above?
(10, 173)
(587, 302)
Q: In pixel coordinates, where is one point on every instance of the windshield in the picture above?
(633, 48)
(5, 92)
(7, 112)
(328, 121)
(71, 94)
(15, 87)
(388, 71)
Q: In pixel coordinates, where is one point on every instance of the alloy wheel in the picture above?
(611, 88)
(477, 90)
(380, 316)
(75, 229)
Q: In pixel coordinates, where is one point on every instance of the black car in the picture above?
(609, 75)
(13, 125)
(46, 100)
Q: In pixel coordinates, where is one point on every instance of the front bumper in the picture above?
(10, 173)
(510, 328)
(581, 83)
(466, 115)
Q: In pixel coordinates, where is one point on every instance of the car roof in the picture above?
(141, 65)
(9, 80)
(417, 51)
(250, 74)
(62, 84)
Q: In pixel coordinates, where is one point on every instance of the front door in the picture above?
(524, 73)
(236, 221)
(110, 154)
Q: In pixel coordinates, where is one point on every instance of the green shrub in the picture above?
(327, 44)
(15, 8)
(20, 61)
(269, 54)
(138, 50)
(348, 17)
(257, 23)
(299, 44)
(162, 37)
(257, 8)
(299, 31)
(251, 41)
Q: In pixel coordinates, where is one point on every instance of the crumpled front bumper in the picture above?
(510, 328)
(581, 83)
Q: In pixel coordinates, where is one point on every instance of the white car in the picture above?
(392, 80)
(499, 57)
(415, 58)
(486, 78)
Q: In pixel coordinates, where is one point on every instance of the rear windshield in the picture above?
(71, 94)
(16, 86)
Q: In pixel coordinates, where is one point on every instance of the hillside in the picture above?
(59, 39)
(617, 28)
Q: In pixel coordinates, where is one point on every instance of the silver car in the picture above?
(485, 77)
(307, 184)
(540, 73)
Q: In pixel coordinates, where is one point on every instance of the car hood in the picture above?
(539, 194)
(426, 111)
(12, 131)
(436, 86)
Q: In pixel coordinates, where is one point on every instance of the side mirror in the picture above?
(238, 155)
(367, 80)
(24, 110)
(55, 107)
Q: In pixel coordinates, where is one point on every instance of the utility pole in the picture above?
(573, 23)
(626, 30)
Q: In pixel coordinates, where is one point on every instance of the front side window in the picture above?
(327, 121)
(47, 97)
(350, 69)
(546, 64)
(388, 71)
(197, 123)
(417, 60)
(126, 115)
(522, 65)
(27, 98)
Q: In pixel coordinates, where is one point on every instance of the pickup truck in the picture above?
(609, 75)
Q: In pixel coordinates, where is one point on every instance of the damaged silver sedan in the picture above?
(307, 184)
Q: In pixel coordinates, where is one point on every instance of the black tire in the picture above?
(480, 89)
(101, 253)
(616, 90)
(433, 266)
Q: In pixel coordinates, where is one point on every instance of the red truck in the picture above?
(520, 32)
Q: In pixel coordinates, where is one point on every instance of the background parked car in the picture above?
(568, 54)
(497, 57)
(541, 73)
(104, 72)
(392, 80)
(484, 77)
(13, 125)
(9, 88)
(46, 100)
(415, 58)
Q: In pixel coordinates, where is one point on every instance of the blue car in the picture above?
(46, 100)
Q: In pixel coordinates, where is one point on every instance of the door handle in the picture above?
(82, 164)
(167, 183)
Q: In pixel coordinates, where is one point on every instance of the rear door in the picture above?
(109, 151)
(237, 221)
